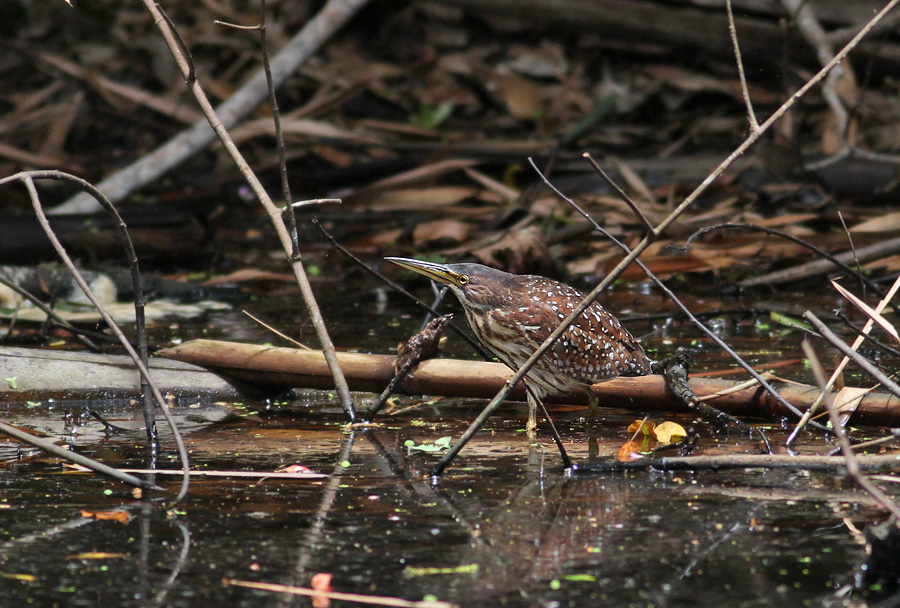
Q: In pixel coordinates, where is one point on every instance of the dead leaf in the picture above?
(28, 578)
(889, 222)
(519, 252)
(417, 199)
(869, 311)
(628, 452)
(250, 274)
(120, 516)
(294, 468)
(522, 97)
(545, 61)
(444, 231)
(669, 432)
(98, 555)
(645, 426)
(321, 582)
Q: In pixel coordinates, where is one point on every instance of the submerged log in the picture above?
(292, 368)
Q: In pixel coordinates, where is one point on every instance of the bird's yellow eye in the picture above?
(463, 279)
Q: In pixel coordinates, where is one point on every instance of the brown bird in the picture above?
(511, 315)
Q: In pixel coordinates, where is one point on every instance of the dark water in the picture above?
(504, 527)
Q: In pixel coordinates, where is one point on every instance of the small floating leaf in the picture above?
(787, 321)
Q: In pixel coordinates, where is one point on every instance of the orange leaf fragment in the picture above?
(321, 582)
(628, 452)
(120, 516)
(294, 468)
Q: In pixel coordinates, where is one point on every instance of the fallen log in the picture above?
(31, 374)
(285, 368)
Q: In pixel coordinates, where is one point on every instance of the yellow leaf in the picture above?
(28, 578)
(98, 555)
(669, 432)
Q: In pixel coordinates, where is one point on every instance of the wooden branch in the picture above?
(659, 26)
(291, 368)
(48, 374)
(807, 270)
(184, 145)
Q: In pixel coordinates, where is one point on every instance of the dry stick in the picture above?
(647, 240)
(375, 600)
(817, 267)
(874, 342)
(51, 314)
(881, 462)
(185, 65)
(850, 353)
(810, 28)
(138, 362)
(836, 260)
(745, 91)
(99, 467)
(684, 309)
(849, 235)
(612, 184)
(140, 301)
(187, 143)
(850, 459)
(279, 135)
(840, 368)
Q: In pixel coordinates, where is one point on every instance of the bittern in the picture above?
(512, 315)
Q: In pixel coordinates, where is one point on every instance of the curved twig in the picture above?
(28, 179)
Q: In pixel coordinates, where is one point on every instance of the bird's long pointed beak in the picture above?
(436, 272)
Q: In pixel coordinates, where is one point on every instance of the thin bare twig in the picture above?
(622, 194)
(849, 353)
(880, 462)
(89, 463)
(399, 289)
(745, 91)
(139, 361)
(850, 459)
(279, 135)
(51, 314)
(372, 600)
(837, 260)
(852, 349)
(286, 238)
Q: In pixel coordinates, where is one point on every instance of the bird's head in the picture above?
(476, 286)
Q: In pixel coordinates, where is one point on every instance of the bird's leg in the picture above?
(531, 425)
(593, 404)
(533, 402)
